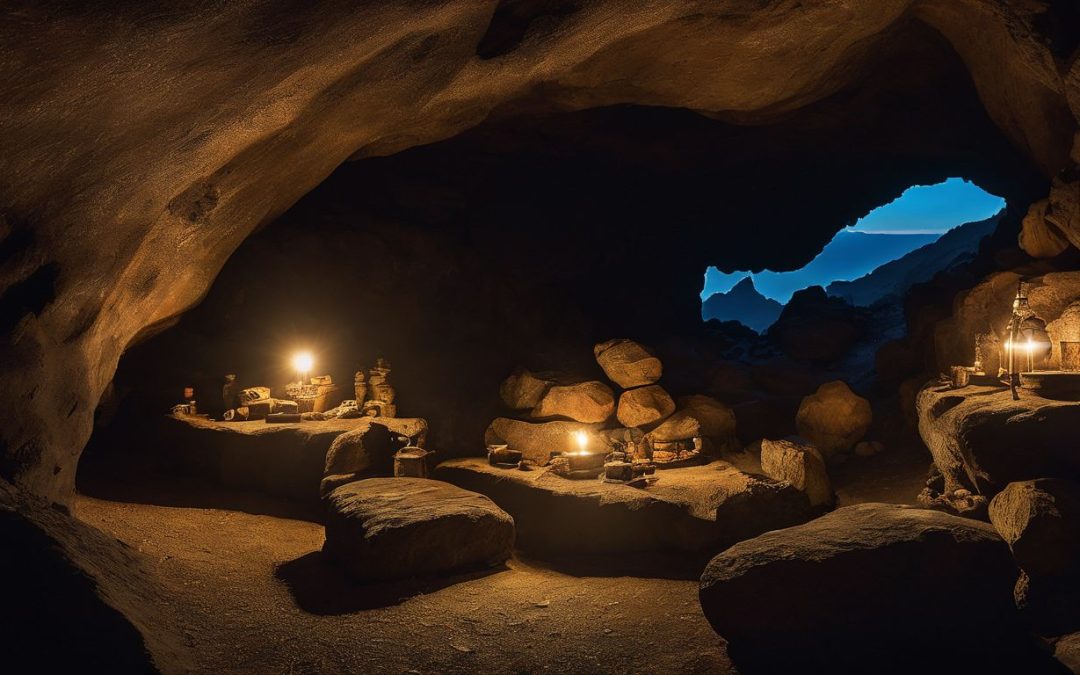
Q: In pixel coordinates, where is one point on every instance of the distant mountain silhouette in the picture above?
(744, 304)
(849, 255)
(894, 279)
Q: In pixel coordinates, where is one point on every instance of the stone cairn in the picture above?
(568, 424)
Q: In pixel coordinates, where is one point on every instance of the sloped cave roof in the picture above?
(144, 141)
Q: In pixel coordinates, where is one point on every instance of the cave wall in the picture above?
(143, 142)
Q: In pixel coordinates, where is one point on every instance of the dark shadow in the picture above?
(321, 587)
(147, 485)
(673, 565)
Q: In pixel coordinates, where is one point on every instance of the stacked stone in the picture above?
(556, 407)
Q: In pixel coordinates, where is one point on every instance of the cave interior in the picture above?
(514, 203)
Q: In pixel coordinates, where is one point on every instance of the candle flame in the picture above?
(303, 361)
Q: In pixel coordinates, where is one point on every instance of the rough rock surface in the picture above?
(522, 390)
(800, 464)
(981, 439)
(717, 420)
(644, 406)
(367, 449)
(75, 585)
(627, 363)
(97, 218)
(701, 508)
(1040, 520)
(395, 528)
(536, 440)
(284, 460)
(834, 419)
(929, 589)
(589, 402)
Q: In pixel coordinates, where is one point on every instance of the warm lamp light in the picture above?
(302, 363)
(582, 440)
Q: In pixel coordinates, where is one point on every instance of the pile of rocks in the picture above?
(549, 407)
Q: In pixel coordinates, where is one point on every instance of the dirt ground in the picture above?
(253, 595)
(246, 582)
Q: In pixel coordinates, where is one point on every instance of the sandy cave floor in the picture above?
(251, 593)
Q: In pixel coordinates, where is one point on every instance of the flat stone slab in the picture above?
(701, 508)
(283, 460)
(982, 440)
(394, 528)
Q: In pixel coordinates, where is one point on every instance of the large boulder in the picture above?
(535, 440)
(1040, 520)
(368, 449)
(522, 390)
(982, 440)
(700, 416)
(834, 419)
(800, 464)
(644, 406)
(394, 528)
(870, 588)
(589, 402)
(627, 363)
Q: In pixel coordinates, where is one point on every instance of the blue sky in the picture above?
(917, 217)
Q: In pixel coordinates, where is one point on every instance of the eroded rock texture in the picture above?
(931, 590)
(142, 144)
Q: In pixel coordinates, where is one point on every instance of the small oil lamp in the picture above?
(581, 459)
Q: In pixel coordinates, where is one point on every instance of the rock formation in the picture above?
(112, 235)
(931, 590)
(627, 363)
(395, 528)
(801, 465)
(1040, 520)
(834, 419)
(743, 303)
(590, 402)
(644, 406)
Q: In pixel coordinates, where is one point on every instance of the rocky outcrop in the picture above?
(931, 590)
(536, 440)
(381, 529)
(1040, 520)
(800, 464)
(643, 406)
(589, 402)
(834, 419)
(73, 584)
(367, 449)
(816, 328)
(981, 440)
(627, 363)
(743, 303)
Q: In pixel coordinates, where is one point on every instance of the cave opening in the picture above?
(506, 273)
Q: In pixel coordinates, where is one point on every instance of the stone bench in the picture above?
(382, 529)
(282, 460)
(702, 508)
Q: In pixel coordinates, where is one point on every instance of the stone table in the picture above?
(702, 508)
(981, 439)
(283, 460)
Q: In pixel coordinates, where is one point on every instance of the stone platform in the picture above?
(981, 439)
(702, 508)
(283, 460)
